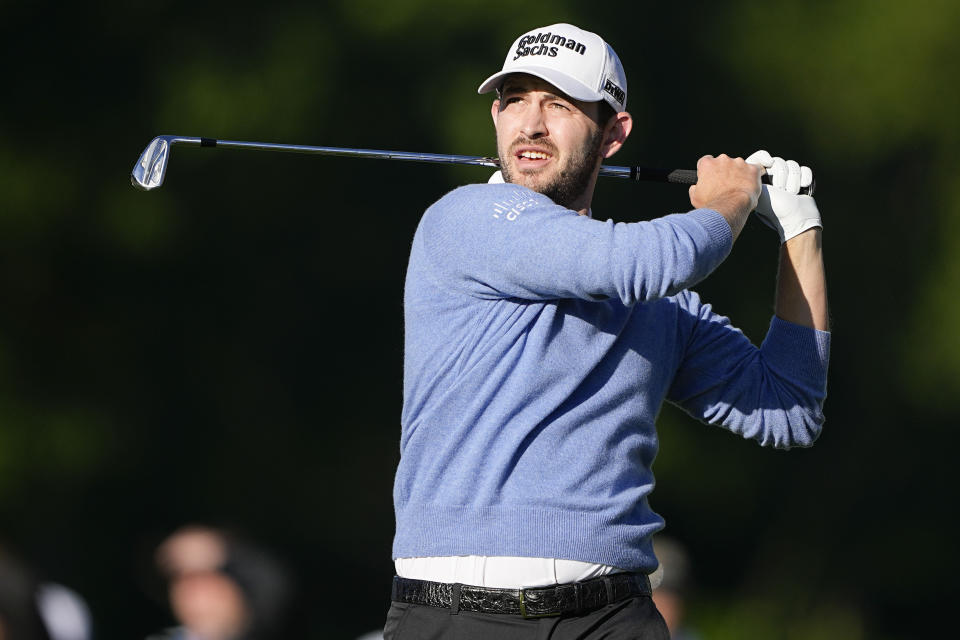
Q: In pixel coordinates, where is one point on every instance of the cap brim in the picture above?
(571, 87)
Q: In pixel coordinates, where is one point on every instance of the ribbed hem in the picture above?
(718, 229)
(428, 530)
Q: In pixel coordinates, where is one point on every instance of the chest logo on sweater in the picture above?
(513, 206)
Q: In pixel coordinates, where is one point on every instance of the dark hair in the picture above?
(607, 113)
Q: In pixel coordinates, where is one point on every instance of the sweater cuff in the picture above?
(717, 227)
(802, 351)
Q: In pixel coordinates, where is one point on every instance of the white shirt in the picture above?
(500, 572)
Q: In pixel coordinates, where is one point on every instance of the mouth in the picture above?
(532, 157)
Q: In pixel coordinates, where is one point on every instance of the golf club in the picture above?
(151, 168)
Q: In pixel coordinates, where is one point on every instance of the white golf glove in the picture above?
(781, 206)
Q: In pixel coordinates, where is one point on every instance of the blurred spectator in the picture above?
(35, 610)
(671, 585)
(221, 587)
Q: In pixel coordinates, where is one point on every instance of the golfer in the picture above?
(541, 342)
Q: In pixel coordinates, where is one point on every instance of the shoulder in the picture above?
(494, 200)
(472, 212)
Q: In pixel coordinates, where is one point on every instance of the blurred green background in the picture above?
(228, 349)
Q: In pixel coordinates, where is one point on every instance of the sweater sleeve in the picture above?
(773, 394)
(506, 241)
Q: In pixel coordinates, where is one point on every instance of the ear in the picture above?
(494, 110)
(616, 133)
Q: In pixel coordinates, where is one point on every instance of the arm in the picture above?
(801, 281)
(772, 394)
(506, 241)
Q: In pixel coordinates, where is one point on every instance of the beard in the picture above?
(571, 181)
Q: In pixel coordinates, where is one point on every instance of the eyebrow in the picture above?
(523, 89)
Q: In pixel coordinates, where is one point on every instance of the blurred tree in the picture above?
(871, 84)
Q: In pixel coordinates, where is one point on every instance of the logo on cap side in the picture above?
(615, 91)
(545, 39)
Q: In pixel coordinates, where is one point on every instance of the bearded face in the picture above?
(564, 183)
(548, 141)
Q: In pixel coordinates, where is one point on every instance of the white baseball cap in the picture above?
(577, 62)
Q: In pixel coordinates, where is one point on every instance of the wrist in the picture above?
(735, 207)
(807, 239)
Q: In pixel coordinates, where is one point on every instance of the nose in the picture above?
(533, 125)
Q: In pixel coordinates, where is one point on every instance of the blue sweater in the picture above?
(539, 347)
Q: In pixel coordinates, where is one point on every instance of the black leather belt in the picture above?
(540, 602)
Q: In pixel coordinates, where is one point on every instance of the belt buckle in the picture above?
(532, 616)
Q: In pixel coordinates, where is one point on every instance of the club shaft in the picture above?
(635, 173)
(150, 169)
(681, 176)
(352, 153)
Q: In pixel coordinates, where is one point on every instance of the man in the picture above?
(540, 344)
(220, 586)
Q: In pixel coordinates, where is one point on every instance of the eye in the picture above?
(560, 105)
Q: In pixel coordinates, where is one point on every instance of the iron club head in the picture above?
(151, 167)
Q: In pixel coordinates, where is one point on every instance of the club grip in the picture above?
(689, 176)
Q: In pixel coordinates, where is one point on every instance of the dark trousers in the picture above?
(632, 619)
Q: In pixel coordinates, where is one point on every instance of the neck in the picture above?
(582, 204)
